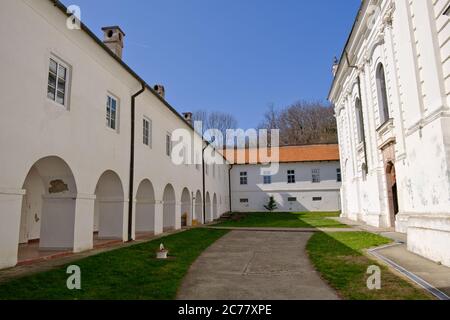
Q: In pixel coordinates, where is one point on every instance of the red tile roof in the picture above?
(288, 154)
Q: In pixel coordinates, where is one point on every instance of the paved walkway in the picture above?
(252, 265)
(422, 271)
(312, 230)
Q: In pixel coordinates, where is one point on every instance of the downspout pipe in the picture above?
(204, 183)
(229, 187)
(132, 156)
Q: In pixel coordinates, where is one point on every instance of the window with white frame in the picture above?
(267, 179)
(315, 175)
(147, 131)
(243, 178)
(291, 176)
(168, 145)
(58, 81)
(111, 112)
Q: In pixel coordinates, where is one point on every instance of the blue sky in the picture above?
(237, 56)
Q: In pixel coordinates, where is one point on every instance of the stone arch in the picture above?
(145, 207)
(48, 206)
(169, 208)
(208, 211)
(109, 215)
(186, 208)
(198, 208)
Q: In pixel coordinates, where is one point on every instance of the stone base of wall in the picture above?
(402, 222)
(429, 236)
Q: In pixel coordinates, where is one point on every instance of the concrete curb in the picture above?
(411, 276)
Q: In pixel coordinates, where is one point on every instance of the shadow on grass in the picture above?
(283, 220)
(130, 273)
(340, 260)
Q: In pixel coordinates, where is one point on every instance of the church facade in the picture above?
(391, 93)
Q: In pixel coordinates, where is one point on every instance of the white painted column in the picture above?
(10, 213)
(159, 210)
(178, 215)
(84, 222)
(407, 66)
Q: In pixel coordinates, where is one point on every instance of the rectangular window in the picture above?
(292, 199)
(147, 132)
(315, 175)
(244, 178)
(207, 169)
(169, 145)
(244, 200)
(111, 112)
(291, 176)
(57, 82)
(267, 179)
(317, 199)
(338, 175)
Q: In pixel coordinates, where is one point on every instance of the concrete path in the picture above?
(252, 265)
(308, 230)
(436, 276)
(426, 273)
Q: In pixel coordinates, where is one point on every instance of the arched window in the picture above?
(359, 120)
(382, 94)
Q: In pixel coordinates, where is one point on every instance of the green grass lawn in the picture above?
(128, 273)
(339, 258)
(284, 220)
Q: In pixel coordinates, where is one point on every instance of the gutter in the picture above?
(204, 184)
(132, 147)
(229, 187)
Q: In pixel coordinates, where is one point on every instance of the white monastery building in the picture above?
(391, 95)
(67, 178)
(308, 179)
(88, 146)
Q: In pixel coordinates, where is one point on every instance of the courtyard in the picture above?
(240, 258)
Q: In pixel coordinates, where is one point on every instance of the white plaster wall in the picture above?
(33, 31)
(259, 193)
(410, 38)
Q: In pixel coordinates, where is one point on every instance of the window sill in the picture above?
(387, 125)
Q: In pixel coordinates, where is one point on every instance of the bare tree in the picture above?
(216, 120)
(303, 123)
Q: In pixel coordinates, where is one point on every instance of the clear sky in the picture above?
(237, 56)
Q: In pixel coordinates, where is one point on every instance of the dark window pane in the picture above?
(51, 93)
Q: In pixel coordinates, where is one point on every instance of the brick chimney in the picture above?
(160, 90)
(113, 39)
(188, 117)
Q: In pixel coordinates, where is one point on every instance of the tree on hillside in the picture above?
(302, 123)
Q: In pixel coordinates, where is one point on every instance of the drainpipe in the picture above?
(229, 186)
(204, 184)
(131, 189)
